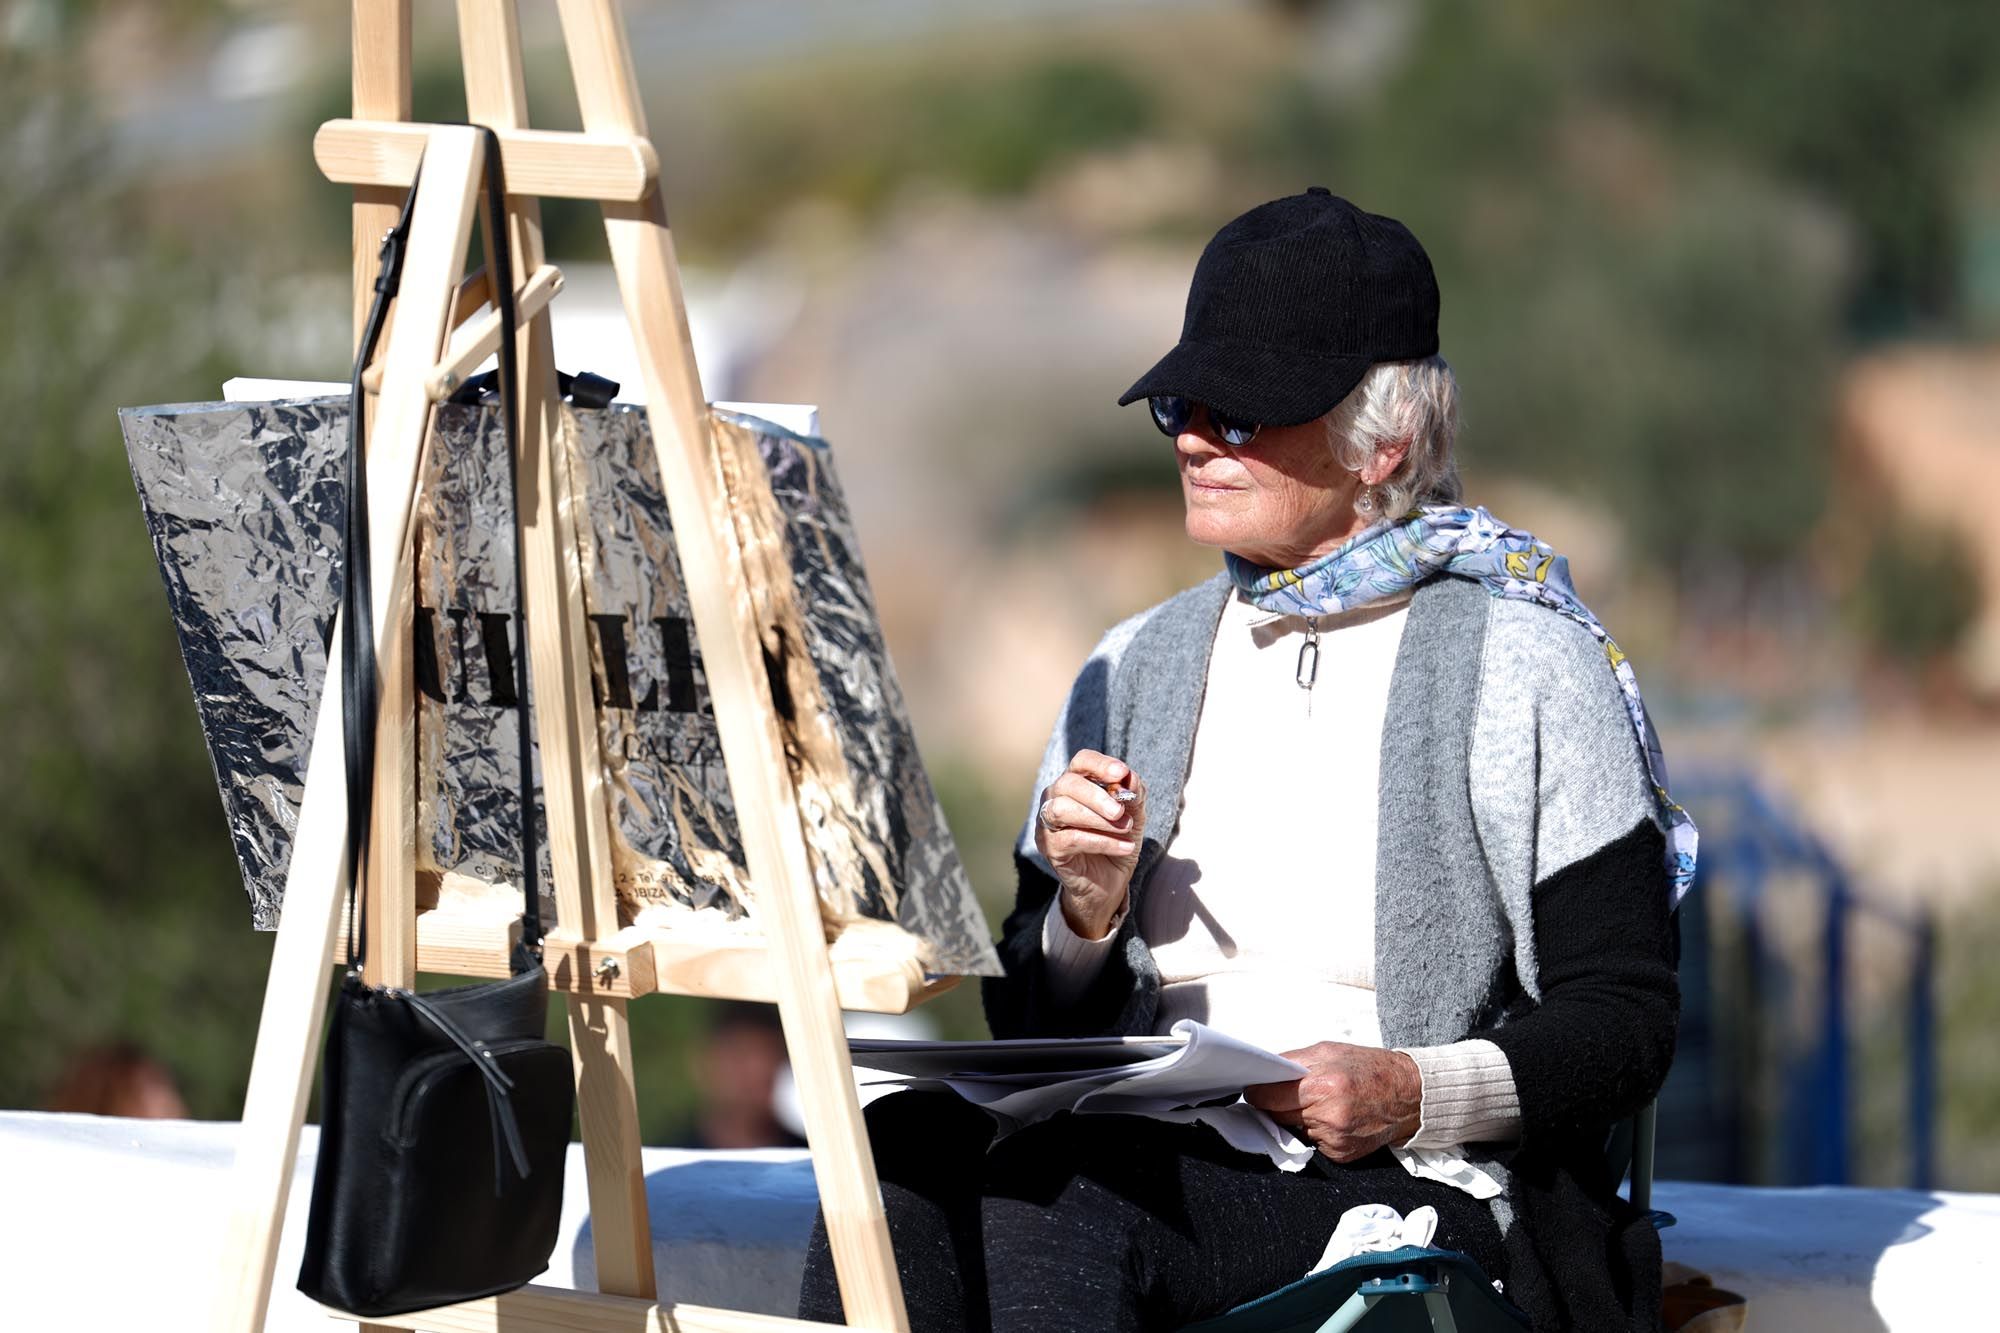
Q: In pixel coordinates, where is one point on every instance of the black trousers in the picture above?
(1105, 1222)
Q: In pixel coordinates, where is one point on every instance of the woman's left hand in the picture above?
(1352, 1100)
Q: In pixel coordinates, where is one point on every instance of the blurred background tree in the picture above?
(118, 885)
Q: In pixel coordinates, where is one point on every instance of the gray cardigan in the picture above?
(1521, 886)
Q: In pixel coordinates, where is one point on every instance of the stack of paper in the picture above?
(1025, 1081)
(1193, 1074)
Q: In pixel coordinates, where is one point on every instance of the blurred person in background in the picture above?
(1382, 795)
(117, 1079)
(736, 1077)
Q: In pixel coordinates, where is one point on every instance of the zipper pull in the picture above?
(1308, 668)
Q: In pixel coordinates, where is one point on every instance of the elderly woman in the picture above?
(1381, 796)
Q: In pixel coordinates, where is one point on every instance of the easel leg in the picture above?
(642, 252)
(381, 89)
(565, 718)
(600, 1040)
(850, 1194)
(287, 1040)
(381, 83)
(288, 1032)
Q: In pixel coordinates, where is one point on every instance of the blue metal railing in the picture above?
(1732, 1024)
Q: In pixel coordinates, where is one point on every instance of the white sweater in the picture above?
(1261, 913)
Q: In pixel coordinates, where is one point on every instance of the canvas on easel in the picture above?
(758, 656)
(242, 500)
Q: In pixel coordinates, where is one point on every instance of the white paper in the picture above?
(1200, 1064)
(1182, 1077)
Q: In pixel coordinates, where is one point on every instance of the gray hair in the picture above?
(1395, 401)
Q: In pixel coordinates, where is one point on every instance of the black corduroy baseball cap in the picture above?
(1291, 303)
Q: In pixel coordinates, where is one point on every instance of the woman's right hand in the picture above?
(1091, 838)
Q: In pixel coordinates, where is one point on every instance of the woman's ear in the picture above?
(1388, 457)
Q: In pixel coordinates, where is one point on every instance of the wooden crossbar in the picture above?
(875, 970)
(476, 339)
(551, 164)
(597, 965)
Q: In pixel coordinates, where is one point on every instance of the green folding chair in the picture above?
(1413, 1290)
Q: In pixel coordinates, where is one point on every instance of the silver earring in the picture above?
(1365, 504)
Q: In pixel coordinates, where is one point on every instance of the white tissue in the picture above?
(1374, 1228)
(1447, 1167)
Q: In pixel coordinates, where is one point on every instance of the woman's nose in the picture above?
(1194, 443)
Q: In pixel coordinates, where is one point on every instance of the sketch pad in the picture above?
(1031, 1057)
(1191, 1066)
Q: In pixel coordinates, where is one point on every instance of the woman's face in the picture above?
(1278, 501)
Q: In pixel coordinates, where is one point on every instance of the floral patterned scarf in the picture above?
(1394, 556)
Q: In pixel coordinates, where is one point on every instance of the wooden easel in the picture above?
(597, 965)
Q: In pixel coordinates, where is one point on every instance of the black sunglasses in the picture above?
(1172, 413)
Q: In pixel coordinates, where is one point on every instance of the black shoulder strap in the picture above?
(500, 273)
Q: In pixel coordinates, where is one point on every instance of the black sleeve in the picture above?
(1597, 1047)
(1019, 1004)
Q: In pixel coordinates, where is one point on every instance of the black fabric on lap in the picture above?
(1096, 1222)
(930, 1155)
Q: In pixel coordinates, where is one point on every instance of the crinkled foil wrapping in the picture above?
(245, 504)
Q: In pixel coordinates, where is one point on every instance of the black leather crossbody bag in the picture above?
(445, 1116)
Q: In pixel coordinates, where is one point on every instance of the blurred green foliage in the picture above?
(1917, 596)
(998, 138)
(1865, 107)
(1968, 989)
(989, 131)
(125, 915)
